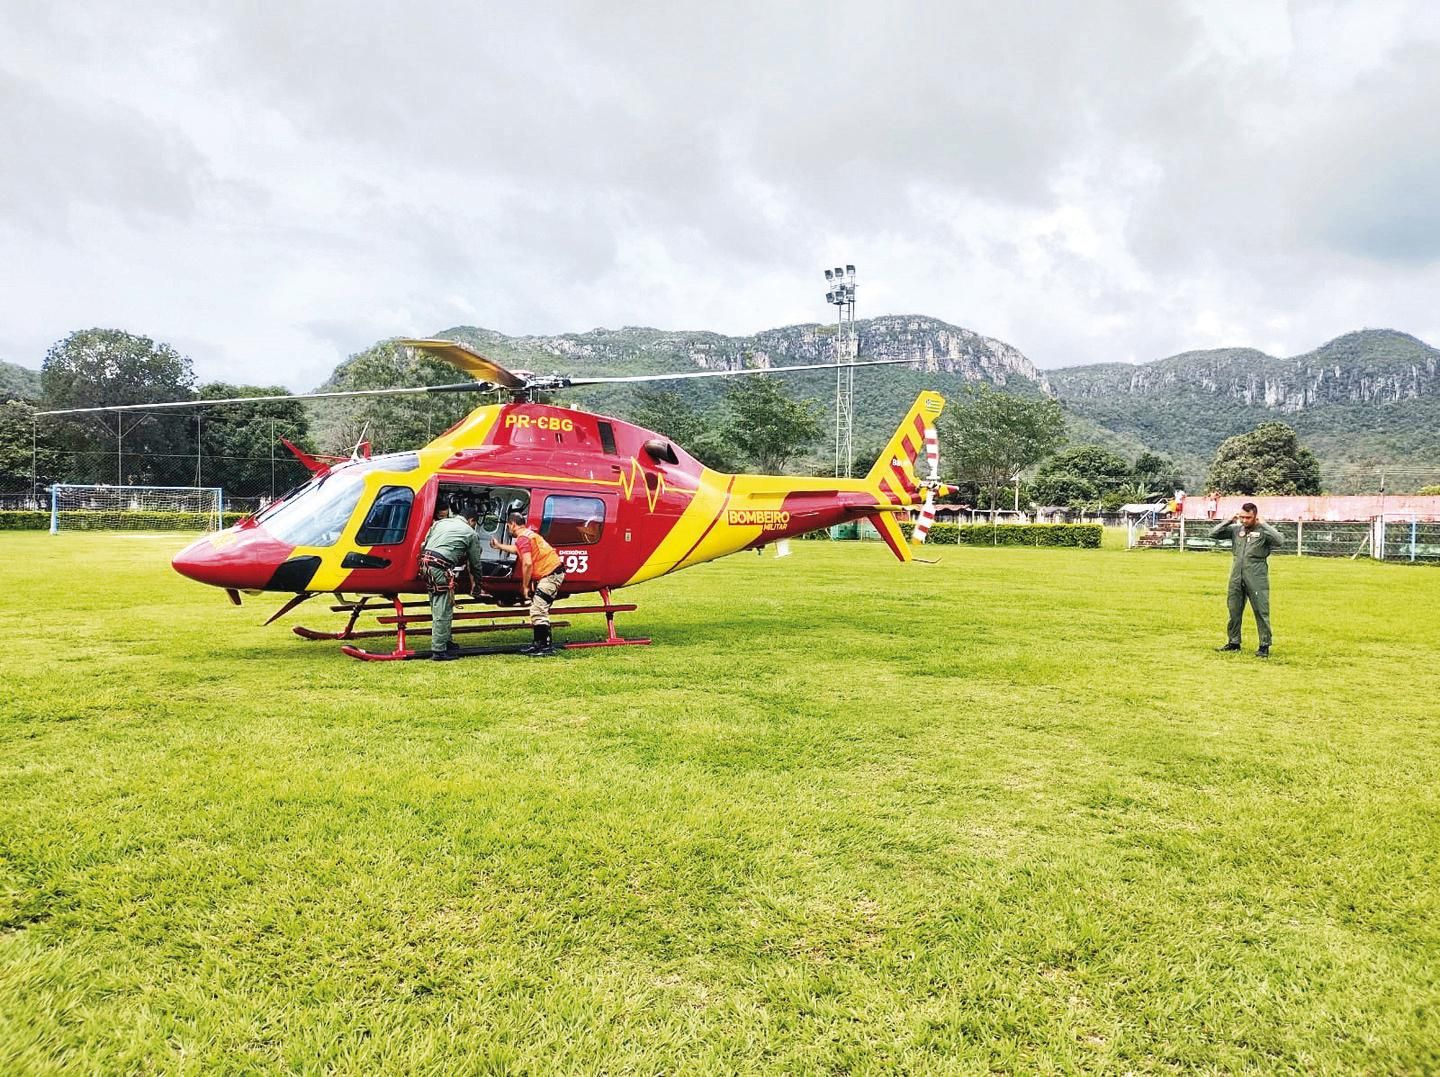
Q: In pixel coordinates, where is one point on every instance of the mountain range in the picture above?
(1366, 403)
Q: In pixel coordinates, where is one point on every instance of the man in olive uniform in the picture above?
(541, 575)
(449, 544)
(1249, 573)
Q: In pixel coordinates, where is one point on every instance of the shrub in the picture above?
(1080, 536)
(82, 520)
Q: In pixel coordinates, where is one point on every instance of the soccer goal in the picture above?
(135, 508)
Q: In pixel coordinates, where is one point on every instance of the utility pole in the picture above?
(841, 292)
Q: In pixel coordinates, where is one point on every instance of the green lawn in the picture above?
(1006, 812)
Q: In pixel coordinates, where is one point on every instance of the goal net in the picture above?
(135, 508)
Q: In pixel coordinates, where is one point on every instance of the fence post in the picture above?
(1413, 521)
(54, 512)
(1299, 538)
(1182, 534)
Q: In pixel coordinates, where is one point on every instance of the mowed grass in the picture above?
(1007, 812)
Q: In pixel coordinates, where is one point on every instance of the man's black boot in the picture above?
(542, 646)
(1263, 652)
(1229, 647)
(444, 656)
(536, 643)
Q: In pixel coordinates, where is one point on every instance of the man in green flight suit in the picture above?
(450, 543)
(1249, 574)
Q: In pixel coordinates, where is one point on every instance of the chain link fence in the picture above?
(248, 481)
(1404, 539)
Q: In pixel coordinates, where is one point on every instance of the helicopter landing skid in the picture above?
(497, 620)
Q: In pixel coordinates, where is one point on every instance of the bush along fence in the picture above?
(1073, 536)
(142, 520)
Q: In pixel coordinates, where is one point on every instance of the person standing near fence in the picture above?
(1253, 543)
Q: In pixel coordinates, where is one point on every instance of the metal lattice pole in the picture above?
(841, 282)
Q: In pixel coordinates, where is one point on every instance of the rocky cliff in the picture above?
(934, 345)
(1373, 366)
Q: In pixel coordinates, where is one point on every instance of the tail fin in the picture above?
(894, 471)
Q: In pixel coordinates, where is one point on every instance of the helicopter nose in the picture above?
(243, 560)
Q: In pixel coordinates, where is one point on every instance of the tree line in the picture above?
(998, 442)
(234, 447)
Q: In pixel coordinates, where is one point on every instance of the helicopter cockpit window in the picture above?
(388, 518)
(317, 515)
(572, 521)
(399, 461)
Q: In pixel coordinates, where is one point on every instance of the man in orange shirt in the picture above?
(541, 575)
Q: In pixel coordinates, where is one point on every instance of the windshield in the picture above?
(281, 515)
(318, 513)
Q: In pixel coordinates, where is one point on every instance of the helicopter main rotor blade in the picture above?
(470, 361)
(637, 378)
(455, 354)
(457, 387)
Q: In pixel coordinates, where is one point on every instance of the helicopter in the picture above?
(620, 505)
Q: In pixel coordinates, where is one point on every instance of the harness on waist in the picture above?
(447, 571)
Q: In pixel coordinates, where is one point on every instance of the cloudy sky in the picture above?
(272, 187)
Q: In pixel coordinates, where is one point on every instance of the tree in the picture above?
(29, 457)
(767, 426)
(666, 412)
(103, 367)
(1267, 460)
(1063, 488)
(391, 423)
(1100, 467)
(1137, 493)
(991, 437)
(1154, 472)
(240, 443)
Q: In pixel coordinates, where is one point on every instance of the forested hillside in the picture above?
(18, 382)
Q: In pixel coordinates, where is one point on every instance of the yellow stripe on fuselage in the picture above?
(731, 512)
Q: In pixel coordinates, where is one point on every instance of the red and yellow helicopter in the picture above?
(620, 505)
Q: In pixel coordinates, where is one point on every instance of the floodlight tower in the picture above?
(840, 285)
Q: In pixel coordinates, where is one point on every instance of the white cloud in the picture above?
(273, 188)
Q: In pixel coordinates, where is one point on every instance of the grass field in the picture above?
(1009, 812)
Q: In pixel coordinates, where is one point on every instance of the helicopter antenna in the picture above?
(362, 447)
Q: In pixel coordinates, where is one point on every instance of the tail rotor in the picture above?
(931, 484)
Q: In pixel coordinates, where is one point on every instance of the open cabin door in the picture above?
(492, 504)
